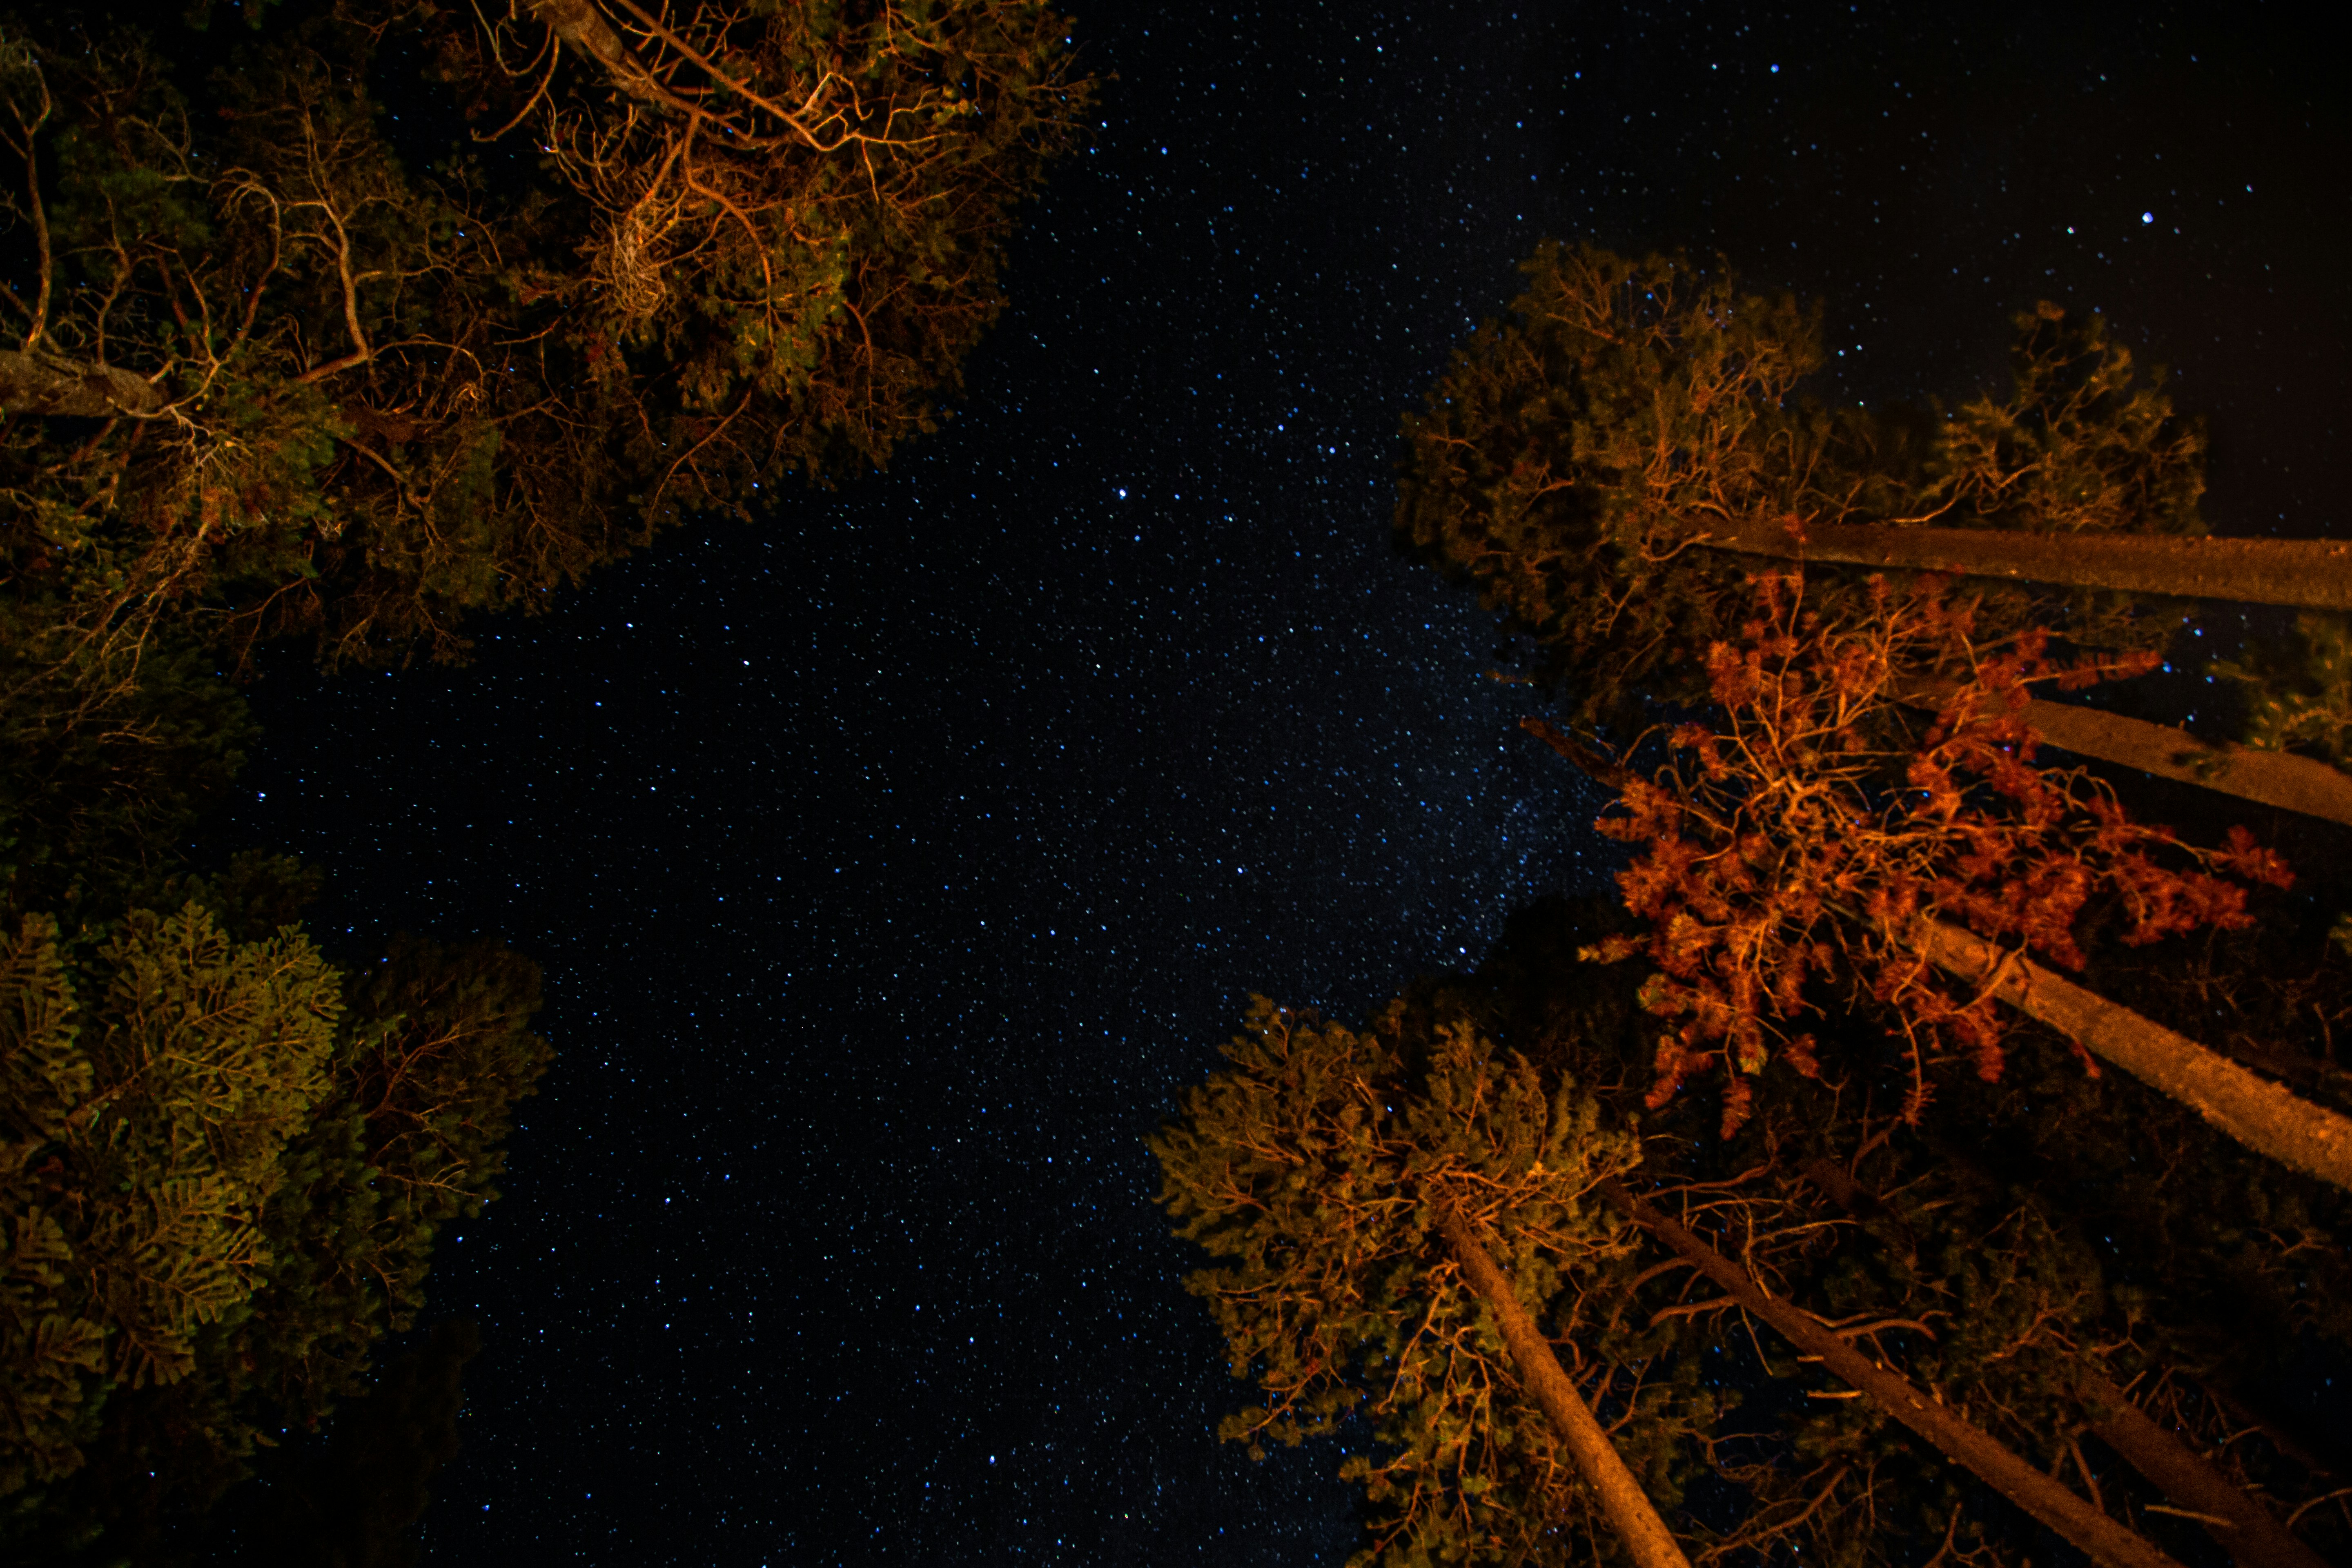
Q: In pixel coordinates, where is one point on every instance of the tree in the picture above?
(2299, 693)
(2263, 771)
(1958, 1309)
(286, 371)
(1604, 467)
(2083, 1526)
(223, 1184)
(1812, 837)
(2044, 1244)
(1349, 1194)
(145, 1146)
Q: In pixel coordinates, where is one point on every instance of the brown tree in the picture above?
(1812, 836)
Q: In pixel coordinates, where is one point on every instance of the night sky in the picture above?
(894, 861)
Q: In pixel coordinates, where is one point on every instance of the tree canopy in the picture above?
(1924, 1284)
(385, 314)
(352, 324)
(1606, 465)
(225, 1166)
(1826, 1334)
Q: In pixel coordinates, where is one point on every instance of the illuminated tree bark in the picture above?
(1348, 1208)
(2107, 1542)
(1622, 1498)
(2240, 1523)
(2311, 574)
(2237, 1519)
(2282, 779)
(2259, 1114)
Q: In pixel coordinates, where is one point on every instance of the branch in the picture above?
(2240, 1522)
(39, 383)
(1629, 1508)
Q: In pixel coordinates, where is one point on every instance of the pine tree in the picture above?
(1812, 838)
(225, 1182)
(2037, 1245)
(1345, 1192)
(1608, 467)
(283, 369)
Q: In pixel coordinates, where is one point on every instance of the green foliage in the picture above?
(1314, 1168)
(368, 395)
(222, 1188)
(2078, 447)
(2299, 694)
(146, 1141)
(1574, 461)
(2037, 1229)
(2033, 1226)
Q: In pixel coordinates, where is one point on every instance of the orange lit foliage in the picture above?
(1810, 834)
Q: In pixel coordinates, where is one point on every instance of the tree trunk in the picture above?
(578, 24)
(2268, 778)
(2312, 574)
(2107, 1543)
(2263, 1116)
(41, 383)
(2322, 1467)
(1622, 1498)
(2248, 1532)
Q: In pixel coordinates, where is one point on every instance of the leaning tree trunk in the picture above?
(1963, 1442)
(2311, 574)
(578, 24)
(39, 382)
(1622, 1498)
(2268, 778)
(2265, 1117)
(2239, 1522)
(2235, 1518)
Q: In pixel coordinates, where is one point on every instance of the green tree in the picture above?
(281, 370)
(1982, 1336)
(147, 1139)
(225, 1182)
(2298, 693)
(2076, 1267)
(1347, 1195)
(1607, 466)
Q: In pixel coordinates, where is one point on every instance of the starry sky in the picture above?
(894, 861)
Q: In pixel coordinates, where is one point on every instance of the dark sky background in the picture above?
(896, 861)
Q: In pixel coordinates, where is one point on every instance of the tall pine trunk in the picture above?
(1622, 1498)
(2263, 1116)
(40, 382)
(2246, 1530)
(2235, 1518)
(2268, 778)
(2107, 1542)
(2311, 574)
